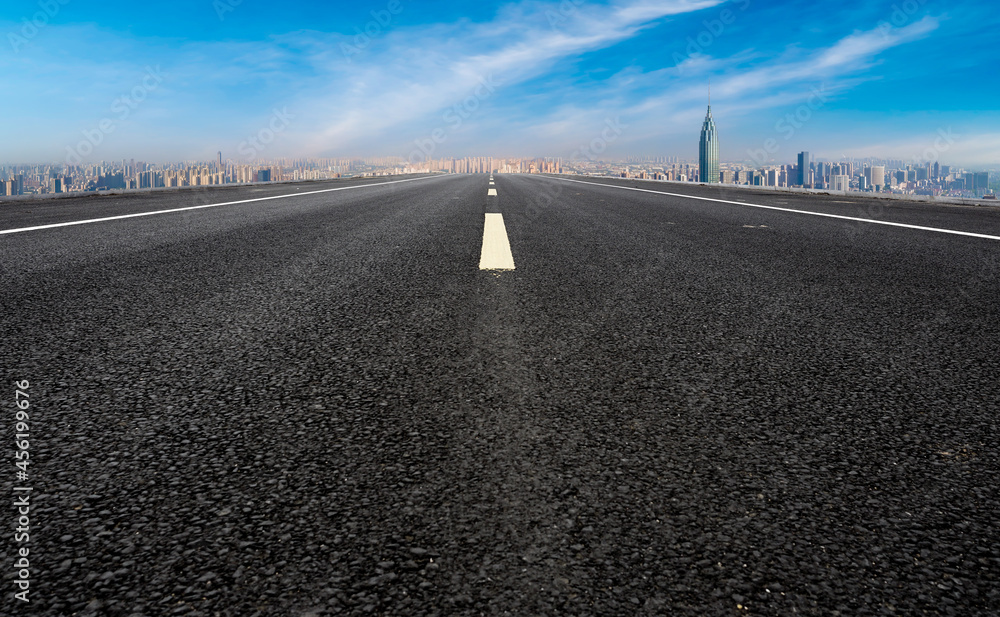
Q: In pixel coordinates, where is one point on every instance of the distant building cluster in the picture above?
(487, 164)
(132, 174)
(871, 175)
(848, 174)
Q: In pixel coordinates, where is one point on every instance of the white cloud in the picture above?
(397, 88)
(749, 84)
(409, 76)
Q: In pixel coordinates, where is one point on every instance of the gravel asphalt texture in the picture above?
(321, 406)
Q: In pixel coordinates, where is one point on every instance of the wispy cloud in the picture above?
(410, 80)
(745, 84)
(560, 70)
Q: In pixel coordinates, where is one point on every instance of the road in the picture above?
(321, 405)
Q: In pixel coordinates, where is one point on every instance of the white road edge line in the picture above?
(496, 253)
(227, 203)
(823, 214)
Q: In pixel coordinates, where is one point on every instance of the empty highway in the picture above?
(543, 396)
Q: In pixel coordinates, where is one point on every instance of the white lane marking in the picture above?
(491, 183)
(823, 214)
(227, 203)
(492, 192)
(496, 253)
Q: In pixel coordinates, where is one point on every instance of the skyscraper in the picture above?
(878, 177)
(803, 169)
(981, 181)
(708, 150)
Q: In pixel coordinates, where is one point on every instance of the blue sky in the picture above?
(181, 80)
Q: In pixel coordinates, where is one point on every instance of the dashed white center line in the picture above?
(491, 193)
(496, 253)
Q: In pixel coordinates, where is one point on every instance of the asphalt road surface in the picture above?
(321, 405)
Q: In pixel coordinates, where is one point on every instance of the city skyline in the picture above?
(517, 79)
(870, 174)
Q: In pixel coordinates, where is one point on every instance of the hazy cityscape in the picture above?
(866, 175)
(869, 174)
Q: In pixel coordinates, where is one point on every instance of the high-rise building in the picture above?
(840, 182)
(981, 181)
(803, 169)
(708, 150)
(878, 177)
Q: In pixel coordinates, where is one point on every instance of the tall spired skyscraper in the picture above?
(708, 149)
